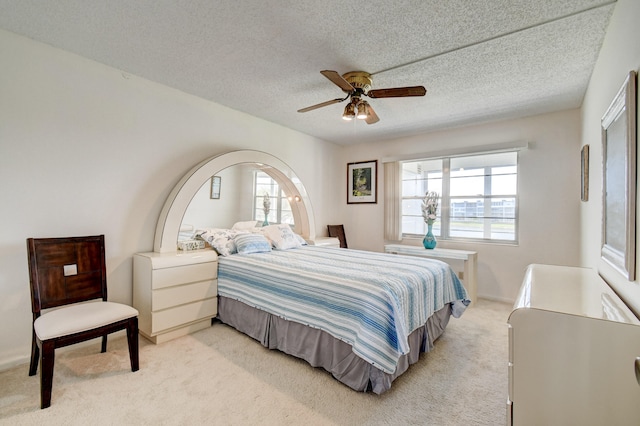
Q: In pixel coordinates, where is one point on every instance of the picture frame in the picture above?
(362, 182)
(619, 180)
(216, 182)
(584, 167)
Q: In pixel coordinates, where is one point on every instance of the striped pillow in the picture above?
(251, 243)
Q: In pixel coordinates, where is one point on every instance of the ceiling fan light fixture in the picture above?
(363, 110)
(349, 112)
(357, 84)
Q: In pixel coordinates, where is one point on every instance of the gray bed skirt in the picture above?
(320, 349)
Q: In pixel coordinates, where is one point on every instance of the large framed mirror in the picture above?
(232, 167)
(619, 180)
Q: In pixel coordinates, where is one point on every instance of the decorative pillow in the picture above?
(220, 239)
(249, 225)
(251, 243)
(301, 240)
(282, 237)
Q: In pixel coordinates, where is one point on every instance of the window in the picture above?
(280, 209)
(478, 196)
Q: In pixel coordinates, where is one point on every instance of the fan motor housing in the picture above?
(359, 80)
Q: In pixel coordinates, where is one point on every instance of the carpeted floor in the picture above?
(219, 376)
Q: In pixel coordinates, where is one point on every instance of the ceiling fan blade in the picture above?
(323, 104)
(372, 117)
(397, 92)
(338, 80)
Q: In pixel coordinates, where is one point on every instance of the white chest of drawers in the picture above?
(175, 293)
(573, 351)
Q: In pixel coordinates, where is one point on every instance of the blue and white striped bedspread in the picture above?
(372, 301)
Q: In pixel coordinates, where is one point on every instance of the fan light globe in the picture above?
(363, 110)
(349, 112)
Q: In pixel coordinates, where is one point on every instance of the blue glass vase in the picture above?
(429, 241)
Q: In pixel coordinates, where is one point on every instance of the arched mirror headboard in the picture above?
(178, 200)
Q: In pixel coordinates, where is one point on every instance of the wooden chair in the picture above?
(62, 272)
(338, 232)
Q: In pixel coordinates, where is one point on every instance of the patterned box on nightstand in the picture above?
(190, 245)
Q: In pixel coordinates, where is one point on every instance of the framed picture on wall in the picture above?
(215, 187)
(362, 182)
(584, 166)
(619, 180)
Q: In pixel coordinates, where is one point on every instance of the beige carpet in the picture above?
(219, 376)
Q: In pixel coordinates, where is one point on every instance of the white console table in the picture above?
(470, 259)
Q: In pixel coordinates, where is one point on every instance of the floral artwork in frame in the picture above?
(362, 182)
(619, 181)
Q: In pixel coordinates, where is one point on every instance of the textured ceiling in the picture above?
(479, 60)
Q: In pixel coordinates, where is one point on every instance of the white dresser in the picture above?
(175, 293)
(573, 351)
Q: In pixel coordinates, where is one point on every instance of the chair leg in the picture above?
(132, 340)
(47, 359)
(104, 344)
(35, 356)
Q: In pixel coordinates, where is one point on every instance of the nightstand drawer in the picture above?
(179, 295)
(168, 277)
(183, 314)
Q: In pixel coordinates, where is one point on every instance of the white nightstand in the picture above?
(325, 242)
(470, 259)
(175, 293)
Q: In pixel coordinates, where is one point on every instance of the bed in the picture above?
(364, 317)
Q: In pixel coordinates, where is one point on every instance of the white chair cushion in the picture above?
(82, 317)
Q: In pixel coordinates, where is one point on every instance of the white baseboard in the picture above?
(496, 299)
(7, 364)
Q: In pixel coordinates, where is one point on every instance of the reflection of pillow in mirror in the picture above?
(220, 239)
(251, 243)
(282, 236)
(248, 225)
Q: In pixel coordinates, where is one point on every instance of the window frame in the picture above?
(278, 201)
(444, 210)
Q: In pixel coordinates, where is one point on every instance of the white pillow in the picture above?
(301, 240)
(220, 239)
(251, 243)
(248, 225)
(282, 237)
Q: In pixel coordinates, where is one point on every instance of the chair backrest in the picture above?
(66, 270)
(338, 232)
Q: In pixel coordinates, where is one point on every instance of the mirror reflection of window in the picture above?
(280, 208)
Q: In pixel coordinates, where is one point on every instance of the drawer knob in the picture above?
(637, 368)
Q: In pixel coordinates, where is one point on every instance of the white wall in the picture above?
(549, 203)
(620, 54)
(87, 149)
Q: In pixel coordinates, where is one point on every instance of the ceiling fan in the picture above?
(357, 84)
